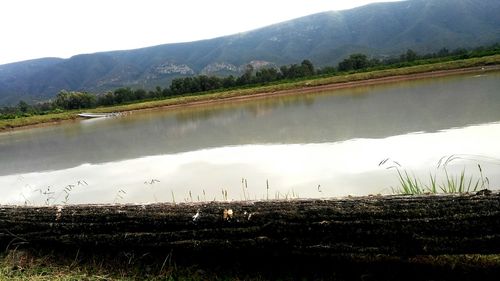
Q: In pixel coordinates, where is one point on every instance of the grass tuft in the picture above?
(441, 180)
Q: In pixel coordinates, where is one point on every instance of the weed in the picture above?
(224, 195)
(244, 187)
(267, 189)
(119, 196)
(173, 196)
(463, 182)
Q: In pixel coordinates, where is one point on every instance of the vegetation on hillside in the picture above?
(26, 115)
(66, 100)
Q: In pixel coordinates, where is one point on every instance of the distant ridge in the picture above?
(379, 30)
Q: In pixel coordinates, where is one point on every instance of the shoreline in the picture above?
(304, 87)
(328, 87)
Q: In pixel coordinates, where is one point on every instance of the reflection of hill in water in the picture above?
(365, 112)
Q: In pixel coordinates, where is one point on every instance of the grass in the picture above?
(441, 180)
(248, 92)
(41, 266)
(25, 265)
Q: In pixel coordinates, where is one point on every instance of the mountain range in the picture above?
(378, 30)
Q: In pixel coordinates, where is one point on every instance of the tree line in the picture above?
(67, 100)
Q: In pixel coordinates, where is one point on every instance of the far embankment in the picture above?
(328, 83)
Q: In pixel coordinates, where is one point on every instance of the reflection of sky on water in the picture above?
(370, 112)
(339, 168)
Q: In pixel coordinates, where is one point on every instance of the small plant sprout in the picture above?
(224, 194)
(26, 200)
(152, 181)
(49, 195)
(66, 190)
(287, 195)
(119, 195)
(52, 195)
(82, 182)
(244, 187)
(267, 189)
(173, 196)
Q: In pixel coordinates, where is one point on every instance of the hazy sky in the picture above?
(62, 28)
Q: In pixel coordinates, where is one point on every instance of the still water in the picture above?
(315, 145)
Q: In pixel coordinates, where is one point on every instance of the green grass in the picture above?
(37, 266)
(24, 265)
(57, 266)
(248, 92)
(439, 181)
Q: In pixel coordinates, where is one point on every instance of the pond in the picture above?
(298, 146)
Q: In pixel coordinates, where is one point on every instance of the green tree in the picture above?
(106, 99)
(74, 100)
(122, 95)
(228, 82)
(140, 94)
(292, 71)
(327, 70)
(354, 62)
(461, 53)
(443, 52)
(307, 68)
(267, 75)
(23, 107)
(409, 56)
(214, 83)
(177, 86)
(246, 78)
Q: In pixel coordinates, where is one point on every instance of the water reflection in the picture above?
(292, 170)
(313, 131)
(365, 112)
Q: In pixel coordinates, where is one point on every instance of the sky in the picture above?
(32, 29)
